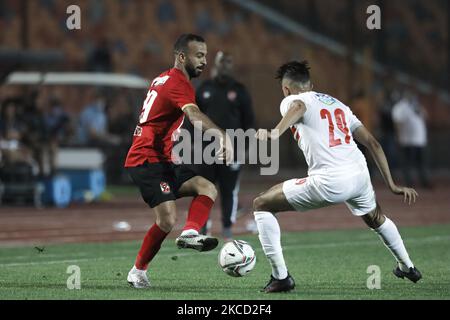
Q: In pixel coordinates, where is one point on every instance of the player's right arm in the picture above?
(182, 95)
(363, 136)
(296, 111)
(202, 122)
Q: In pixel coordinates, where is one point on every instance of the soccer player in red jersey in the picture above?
(170, 98)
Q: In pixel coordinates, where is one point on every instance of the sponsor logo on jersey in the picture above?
(165, 188)
(159, 81)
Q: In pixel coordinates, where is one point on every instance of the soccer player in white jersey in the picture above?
(325, 130)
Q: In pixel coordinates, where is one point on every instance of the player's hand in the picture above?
(409, 194)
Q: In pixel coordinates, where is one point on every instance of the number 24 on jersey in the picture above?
(339, 117)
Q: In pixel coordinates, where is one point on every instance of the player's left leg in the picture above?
(267, 203)
(364, 205)
(204, 193)
(389, 234)
(209, 172)
(165, 220)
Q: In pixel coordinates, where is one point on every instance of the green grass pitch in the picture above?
(325, 265)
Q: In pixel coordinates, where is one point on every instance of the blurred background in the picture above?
(50, 156)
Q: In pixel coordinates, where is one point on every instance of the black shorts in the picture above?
(159, 182)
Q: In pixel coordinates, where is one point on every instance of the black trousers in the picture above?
(414, 158)
(227, 180)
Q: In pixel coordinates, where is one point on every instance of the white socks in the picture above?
(391, 237)
(270, 238)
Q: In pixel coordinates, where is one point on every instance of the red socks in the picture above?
(198, 212)
(150, 246)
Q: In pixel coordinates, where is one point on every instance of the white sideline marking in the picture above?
(286, 247)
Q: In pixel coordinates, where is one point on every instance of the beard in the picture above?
(192, 71)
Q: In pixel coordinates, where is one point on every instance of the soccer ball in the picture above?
(237, 258)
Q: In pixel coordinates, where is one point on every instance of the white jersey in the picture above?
(324, 133)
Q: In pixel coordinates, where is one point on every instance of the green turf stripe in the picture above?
(118, 255)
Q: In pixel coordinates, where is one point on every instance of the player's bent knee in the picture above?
(375, 218)
(166, 219)
(167, 223)
(259, 204)
(207, 188)
(210, 190)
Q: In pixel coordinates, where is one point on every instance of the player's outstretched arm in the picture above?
(294, 114)
(201, 121)
(363, 136)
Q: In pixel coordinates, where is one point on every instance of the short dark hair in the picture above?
(181, 45)
(294, 70)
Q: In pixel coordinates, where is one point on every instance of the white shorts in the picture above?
(320, 190)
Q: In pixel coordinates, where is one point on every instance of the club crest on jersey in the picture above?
(232, 95)
(138, 131)
(165, 188)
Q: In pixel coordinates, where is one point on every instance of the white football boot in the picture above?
(138, 278)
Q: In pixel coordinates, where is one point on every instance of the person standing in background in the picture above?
(409, 118)
(228, 103)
